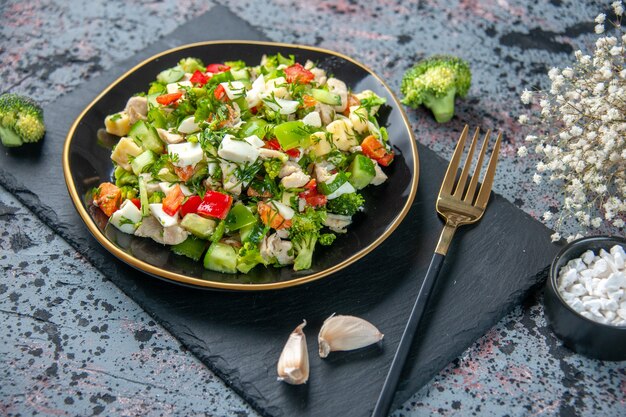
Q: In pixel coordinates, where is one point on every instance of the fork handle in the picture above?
(385, 398)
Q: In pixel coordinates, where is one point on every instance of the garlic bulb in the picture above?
(293, 364)
(346, 333)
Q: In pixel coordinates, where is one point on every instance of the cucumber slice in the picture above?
(170, 75)
(326, 97)
(333, 184)
(221, 258)
(238, 217)
(192, 247)
(142, 162)
(362, 170)
(252, 233)
(147, 135)
(198, 225)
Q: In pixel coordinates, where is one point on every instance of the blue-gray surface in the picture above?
(73, 344)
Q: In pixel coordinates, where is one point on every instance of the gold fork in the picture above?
(458, 206)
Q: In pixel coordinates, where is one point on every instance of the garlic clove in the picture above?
(346, 333)
(293, 364)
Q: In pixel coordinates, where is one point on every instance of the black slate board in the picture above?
(240, 335)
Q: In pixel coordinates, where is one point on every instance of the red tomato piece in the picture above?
(385, 160)
(136, 202)
(167, 99)
(199, 77)
(298, 74)
(173, 201)
(217, 68)
(215, 204)
(191, 205)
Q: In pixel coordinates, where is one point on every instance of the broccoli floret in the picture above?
(327, 239)
(273, 167)
(346, 204)
(304, 233)
(21, 120)
(191, 65)
(248, 257)
(156, 197)
(435, 82)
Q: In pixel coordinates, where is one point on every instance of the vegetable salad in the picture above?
(241, 166)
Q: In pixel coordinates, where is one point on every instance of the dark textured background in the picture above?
(517, 368)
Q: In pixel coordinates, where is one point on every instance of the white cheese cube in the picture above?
(312, 119)
(188, 125)
(176, 87)
(164, 219)
(127, 217)
(253, 96)
(255, 141)
(188, 153)
(238, 151)
(234, 89)
(151, 184)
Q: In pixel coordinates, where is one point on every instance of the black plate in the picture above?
(87, 163)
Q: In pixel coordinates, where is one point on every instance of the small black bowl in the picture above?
(578, 333)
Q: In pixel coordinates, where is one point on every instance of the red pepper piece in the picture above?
(167, 99)
(298, 74)
(294, 152)
(217, 68)
(220, 93)
(199, 77)
(191, 205)
(173, 201)
(272, 144)
(215, 204)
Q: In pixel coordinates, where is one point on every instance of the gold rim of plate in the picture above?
(198, 282)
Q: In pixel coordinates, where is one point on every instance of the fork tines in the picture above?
(457, 188)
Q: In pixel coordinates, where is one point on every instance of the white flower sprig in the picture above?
(579, 133)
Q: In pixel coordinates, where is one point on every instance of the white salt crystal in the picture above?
(599, 267)
(587, 257)
(616, 295)
(569, 278)
(603, 254)
(615, 281)
(609, 315)
(577, 305)
(609, 305)
(618, 259)
(622, 313)
(577, 290)
(617, 249)
(593, 305)
(587, 315)
(587, 273)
